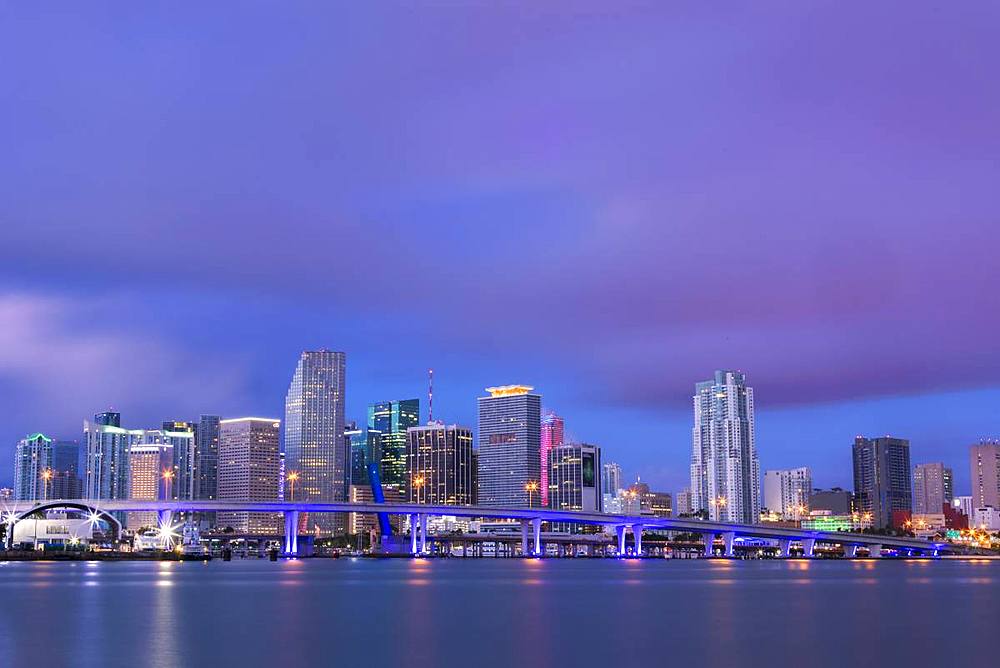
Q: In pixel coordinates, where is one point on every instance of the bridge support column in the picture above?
(784, 548)
(291, 532)
(637, 537)
(727, 540)
(524, 538)
(423, 533)
(536, 524)
(620, 531)
(808, 545)
(709, 544)
(875, 551)
(414, 529)
(164, 519)
(850, 551)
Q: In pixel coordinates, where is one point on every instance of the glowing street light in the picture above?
(46, 476)
(293, 477)
(530, 487)
(168, 476)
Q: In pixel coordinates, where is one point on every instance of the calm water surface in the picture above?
(500, 612)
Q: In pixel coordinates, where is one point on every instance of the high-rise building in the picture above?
(611, 486)
(575, 477)
(882, 479)
(725, 470)
(32, 468)
(314, 433)
(207, 456)
(509, 445)
(683, 505)
(147, 463)
(182, 436)
(552, 430)
(391, 419)
(984, 467)
(439, 465)
(363, 448)
(932, 488)
(658, 504)
(107, 456)
(833, 501)
(787, 492)
(249, 471)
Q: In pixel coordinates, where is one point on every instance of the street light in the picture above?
(46, 477)
(529, 487)
(168, 476)
(418, 482)
(292, 477)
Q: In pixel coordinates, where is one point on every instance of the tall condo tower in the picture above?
(883, 482)
(108, 448)
(509, 446)
(725, 470)
(552, 437)
(314, 434)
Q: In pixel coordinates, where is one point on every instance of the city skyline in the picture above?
(831, 202)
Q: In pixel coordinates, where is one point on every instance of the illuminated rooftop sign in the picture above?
(509, 390)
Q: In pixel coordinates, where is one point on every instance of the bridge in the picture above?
(530, 522)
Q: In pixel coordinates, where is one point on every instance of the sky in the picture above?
(607, 201)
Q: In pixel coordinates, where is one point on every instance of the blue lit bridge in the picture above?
(530, 520)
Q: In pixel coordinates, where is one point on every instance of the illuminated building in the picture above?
(986, 518)
(964, 505)
(659, 504)
(984, 468)
(611, 487)
(725, 470)
(439, 467)
(510, 446)
(575, 479)
(682, 506)
(107, 456)
(182, 436)
(360, 522)
(363, 448)
(882, 479)
(391, 419)
(823, 521)
(207, 447)
(148, 464)
(787, 492)
(248, 471)
(835, 500)
(552, 429)
(314, 434)
(32, 458)
(932, 488)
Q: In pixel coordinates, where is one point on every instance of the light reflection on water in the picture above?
(429, 612)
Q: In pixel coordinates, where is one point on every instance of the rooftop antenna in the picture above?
(430, 396)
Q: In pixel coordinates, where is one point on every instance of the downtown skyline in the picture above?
(685, 192)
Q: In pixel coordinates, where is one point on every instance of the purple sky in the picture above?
(606, 204)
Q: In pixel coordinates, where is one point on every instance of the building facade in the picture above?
(314, 434)
(363, 448)
(933, 488)
(984, 469)
(575, 478)
(440, 465)
(147, 463)
(249, 469)
(509, 445)
(835, 501)
(108, 445)
(725, 470)
(787, 492)
(682, 506)
(182, 438)
(611, 487)
(32, 468)
(207, 456)
(552, 435)
(390, 420)
(882, 479)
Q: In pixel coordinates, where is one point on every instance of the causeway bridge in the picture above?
(530, 520)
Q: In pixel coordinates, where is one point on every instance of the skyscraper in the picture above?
(363, 448)
(984, 468)
(575, 478)
(107, 456)
(249, 470)
(787, 491)
(611, 486)
(391, 419)
(440, 465)
(552, 436)
(147, 463)
(725, 471)
(932, 488)
(207, 456)
(882, 478)
(509, 445)
(32, 468)
(314, 433)
(682, 507)
(182, 438)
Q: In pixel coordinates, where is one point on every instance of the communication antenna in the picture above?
(430, 396)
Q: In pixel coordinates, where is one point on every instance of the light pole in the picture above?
(418, 483)
(46, 477)
(529, 487)
(293, 476)
(167, 476)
